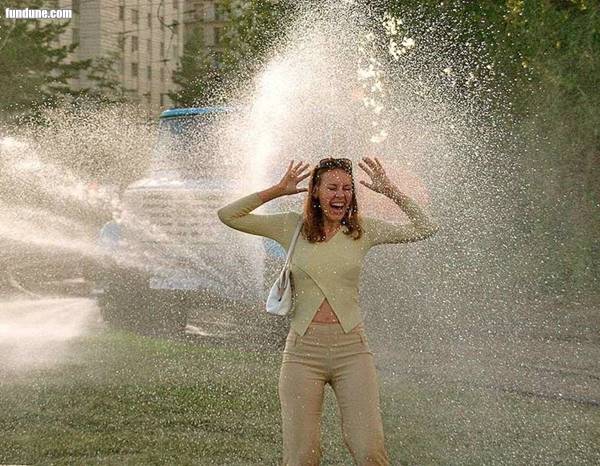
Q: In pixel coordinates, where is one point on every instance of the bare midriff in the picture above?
(325, 314)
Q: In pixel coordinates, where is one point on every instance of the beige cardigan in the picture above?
(328, 269)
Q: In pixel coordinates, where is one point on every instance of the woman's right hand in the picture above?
(294, 175)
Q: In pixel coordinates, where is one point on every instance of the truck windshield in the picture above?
(186, 145)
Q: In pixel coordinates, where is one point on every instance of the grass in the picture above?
(125, 399)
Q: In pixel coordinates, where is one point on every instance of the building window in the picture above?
(135, 17)
(162, 75)
(134, 44)
(76, 35)
(134, 70)
(121, 41)
(149, 20)
(162, 50)
(149, 47)
(162, 99)
(175, 55)
(121, 12)
(149, 72)
(175, 4)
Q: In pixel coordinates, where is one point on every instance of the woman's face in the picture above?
(335, 194)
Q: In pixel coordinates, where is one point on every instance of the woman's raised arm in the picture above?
(275, 226)
(421, 226)
(382, 232)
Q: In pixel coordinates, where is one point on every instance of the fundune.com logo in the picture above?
(29, 13)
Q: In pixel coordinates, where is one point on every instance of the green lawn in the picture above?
(125, 399)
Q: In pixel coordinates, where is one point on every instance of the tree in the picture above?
(560, 48)
(34, 69)
(547, 57)
(107, 87)
(197, 75)
(253, 27)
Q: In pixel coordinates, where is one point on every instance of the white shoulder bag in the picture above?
(280, 300)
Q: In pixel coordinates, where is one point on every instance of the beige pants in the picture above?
(325, 354)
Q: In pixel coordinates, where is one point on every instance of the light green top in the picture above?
(329, 269)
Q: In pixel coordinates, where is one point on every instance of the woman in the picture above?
(327, 342)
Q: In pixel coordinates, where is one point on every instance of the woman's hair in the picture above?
(313, 213)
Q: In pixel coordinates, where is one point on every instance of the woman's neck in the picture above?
(330, 226)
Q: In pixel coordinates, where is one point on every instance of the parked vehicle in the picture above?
(167, 252)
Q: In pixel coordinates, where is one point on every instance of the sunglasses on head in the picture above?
(331, 162)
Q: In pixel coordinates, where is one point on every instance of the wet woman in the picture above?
(327, 343)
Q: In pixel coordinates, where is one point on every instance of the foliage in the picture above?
(254, 29)
(547, 60)
(33, 68)
(36, 70)
(546, 54)
(197, 76)
(558, 100)
(251, 31)
(106, 87)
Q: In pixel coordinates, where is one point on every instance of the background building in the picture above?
(145, 38)
(207, 14)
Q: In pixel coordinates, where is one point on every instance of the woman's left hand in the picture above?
(380, 183)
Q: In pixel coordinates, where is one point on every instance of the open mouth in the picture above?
(337, 207)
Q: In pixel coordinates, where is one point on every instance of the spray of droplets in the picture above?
(415, 91)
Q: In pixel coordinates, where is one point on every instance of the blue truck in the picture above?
(167, 253)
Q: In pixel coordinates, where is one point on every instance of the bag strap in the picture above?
(293, 243)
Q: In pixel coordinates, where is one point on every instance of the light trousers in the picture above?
(325, 354)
